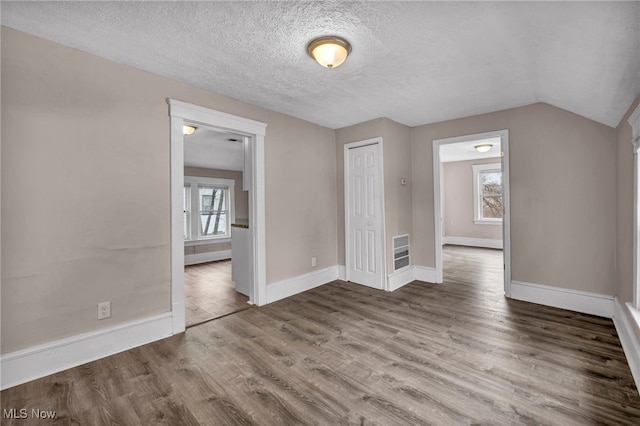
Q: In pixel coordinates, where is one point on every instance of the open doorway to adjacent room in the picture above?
(214, 204)
(472, 226)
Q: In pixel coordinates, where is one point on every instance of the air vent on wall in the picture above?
(400, 251)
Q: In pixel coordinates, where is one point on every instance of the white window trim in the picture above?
(634, 121)
(193, 182)
(477, 199)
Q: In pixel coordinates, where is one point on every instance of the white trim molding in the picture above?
(473, 242)
(255, 131)
(424, 273)
(634, 121)
(32, 363)
(210, 256)
(291, 286)
(401, 277)
(628, 338)
(342, 272)
(477, 170)
(573, 300)
(437, 202)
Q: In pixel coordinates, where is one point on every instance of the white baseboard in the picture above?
(580, 301)
(424, 273)
(473, 242)
(289, 287)
(210, 256)
(401, 278)
(628, 337)
(32, 363)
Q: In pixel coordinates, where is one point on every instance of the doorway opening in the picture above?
(209, 215)
(215, 202)
(471, 200)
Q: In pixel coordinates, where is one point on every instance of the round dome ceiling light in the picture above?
(188, 130)
(329, 51)
(485, 147)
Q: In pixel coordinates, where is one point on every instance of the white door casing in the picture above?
(506, 219)
(254, 131)
(364, 214)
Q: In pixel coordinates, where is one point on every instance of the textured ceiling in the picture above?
(213, 150)
(464, 151)
(414, 62)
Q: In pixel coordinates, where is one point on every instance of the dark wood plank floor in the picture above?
(453, 353)
(209, 292)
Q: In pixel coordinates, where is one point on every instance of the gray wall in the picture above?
(457, 202)
(396, 146)
(561, 234)
(397, 197)
(624, 216)
(85, 190)
(367, 130)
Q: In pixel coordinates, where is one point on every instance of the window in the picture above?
(208, 208)
(487, 194)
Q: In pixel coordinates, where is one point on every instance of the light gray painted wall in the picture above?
(396, 145)
(397, 197)
(457, 202)
(85, 190)
(83, 138)
(359, 132)
(561, 234)
(624, 212)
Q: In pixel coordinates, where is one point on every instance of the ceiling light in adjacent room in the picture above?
(485, 147)
(329, 52)
(187, 130)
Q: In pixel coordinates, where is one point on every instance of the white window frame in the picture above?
(194, 183)
(634, 121)
(477, 193)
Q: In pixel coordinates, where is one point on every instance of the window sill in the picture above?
(487, 222)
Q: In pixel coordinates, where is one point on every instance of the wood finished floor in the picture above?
(447, 354)
(209, 292)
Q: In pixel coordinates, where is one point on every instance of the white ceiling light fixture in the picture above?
(330, 51)
(485, 147)
(188, 130)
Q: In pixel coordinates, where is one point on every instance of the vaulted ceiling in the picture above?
(414, 62)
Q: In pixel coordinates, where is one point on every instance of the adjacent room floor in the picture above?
(443, 354)
(468, 265)
(209, 292)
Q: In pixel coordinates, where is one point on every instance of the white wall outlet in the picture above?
(314, 261)
(104, 310)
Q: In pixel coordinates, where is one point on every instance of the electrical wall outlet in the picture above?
(104, 310)
(314, 261)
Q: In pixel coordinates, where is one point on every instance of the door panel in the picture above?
(364, 218)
